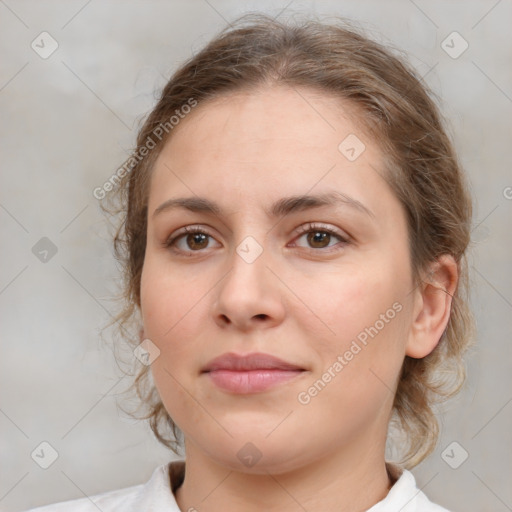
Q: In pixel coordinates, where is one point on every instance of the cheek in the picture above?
(170, 314)
(173, 315)
(358, 373)
(170, 305)
(365, 343)
(341, 305)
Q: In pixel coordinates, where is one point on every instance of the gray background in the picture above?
(67, 124)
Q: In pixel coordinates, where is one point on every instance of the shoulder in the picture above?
(406, 497)
(156, 493)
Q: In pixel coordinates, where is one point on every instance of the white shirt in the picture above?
(156, 495)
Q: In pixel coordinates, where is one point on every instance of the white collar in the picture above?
(157, 495)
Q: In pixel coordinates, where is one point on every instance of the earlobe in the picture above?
(142, 336)
(432, 307)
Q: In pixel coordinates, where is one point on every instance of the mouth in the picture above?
(252, 373)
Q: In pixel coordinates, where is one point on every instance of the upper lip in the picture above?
(255, 361)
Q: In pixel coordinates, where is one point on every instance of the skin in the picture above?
(300, 300)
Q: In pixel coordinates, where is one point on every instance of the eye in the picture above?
(190, 239)
(320, 237)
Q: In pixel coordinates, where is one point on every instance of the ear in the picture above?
(142, 336)
(432, 307)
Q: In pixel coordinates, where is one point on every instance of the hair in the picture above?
(420, 165)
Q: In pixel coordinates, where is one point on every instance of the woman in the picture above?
(294, 231)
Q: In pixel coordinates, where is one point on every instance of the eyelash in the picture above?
(170, 243)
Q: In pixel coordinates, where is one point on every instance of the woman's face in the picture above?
(323, 284)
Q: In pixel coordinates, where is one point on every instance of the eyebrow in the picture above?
(280, 208)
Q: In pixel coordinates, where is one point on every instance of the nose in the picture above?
(249, 296)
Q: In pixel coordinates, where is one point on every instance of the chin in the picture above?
(253, 453)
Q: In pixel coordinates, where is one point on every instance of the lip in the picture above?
(251, 373)
(248, 362)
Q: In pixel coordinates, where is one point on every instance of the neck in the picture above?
(337, 482)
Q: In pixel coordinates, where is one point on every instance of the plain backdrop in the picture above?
(68, 122)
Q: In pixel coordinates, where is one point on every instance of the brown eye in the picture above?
(318, 239)
(190, 240)
(196, 241)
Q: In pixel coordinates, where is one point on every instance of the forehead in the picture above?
(274, 118)
(255, 146)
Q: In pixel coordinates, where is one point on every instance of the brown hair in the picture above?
(420, 162)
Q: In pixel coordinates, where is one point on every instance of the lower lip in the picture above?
(250, 381)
